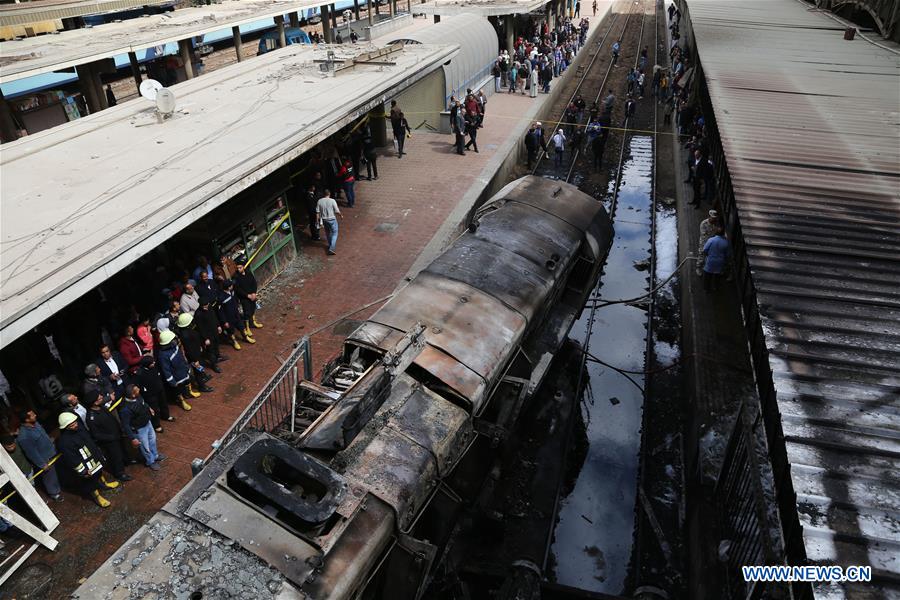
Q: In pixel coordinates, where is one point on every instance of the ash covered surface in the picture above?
(171, 558)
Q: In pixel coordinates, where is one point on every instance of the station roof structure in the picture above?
(63, 50)
(484, 8)
(809, 126)
(22, 13)
(84, 200)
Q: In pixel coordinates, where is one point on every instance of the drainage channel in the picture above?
(594, 534)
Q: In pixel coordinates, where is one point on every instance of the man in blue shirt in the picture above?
(39, 449)
(716, 250)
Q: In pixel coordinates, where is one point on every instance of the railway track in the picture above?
(579, 171)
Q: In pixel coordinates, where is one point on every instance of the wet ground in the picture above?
(593, 538)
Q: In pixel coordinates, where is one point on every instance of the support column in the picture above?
(91, 87)
(8, 129)
(409, 7)
(334, 16)
(295, 19)
(135, 70)
(509, 24)
(356, 9)
(391, 8)
(369, 14)
(184, 46)
(377, 6)
(238, 46)
(279, 24)
(326, 23)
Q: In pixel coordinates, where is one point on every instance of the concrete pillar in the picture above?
(391, 8)
(437, 18)
(238, 46)
(334, 16)
(369, 14)
(295, 19)
(377, 6)
(279, 24)
(356, 9)
(409, 6)
(326, 23)
(509, 25)
(135, 70)
(184, 46)
(91, 87)
(8, 129)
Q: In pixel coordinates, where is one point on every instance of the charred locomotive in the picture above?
(362, 502)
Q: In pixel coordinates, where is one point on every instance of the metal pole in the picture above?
(294, 399)
(185, 47)
(238, 46)
(279, 23)
(356, 8)
(295, 19)
(326, 23)
(135, 69)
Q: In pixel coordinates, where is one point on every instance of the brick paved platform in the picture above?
(411, 212)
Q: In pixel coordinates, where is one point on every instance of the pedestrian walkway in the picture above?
(411, 212)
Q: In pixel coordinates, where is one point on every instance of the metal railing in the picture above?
(276, 401)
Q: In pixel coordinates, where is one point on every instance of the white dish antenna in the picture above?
(165, 102)
(149, 89)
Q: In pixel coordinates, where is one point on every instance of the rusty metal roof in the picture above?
(810, 127)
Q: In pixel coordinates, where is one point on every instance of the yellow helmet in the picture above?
(185, 319)
(165, 337)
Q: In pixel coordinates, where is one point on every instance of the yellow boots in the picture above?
(255, 323)
(100, 500)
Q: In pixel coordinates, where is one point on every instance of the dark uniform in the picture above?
(107, 432)
(152, 389)
(81, 455)
(244, 286)
(230, 312)
(370, 152)
(207, 322)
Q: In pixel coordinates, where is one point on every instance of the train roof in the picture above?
(808, 124)
(480, 295)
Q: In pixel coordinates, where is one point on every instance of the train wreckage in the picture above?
(408, 419)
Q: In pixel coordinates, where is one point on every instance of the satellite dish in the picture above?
(149, 88)
(165, 101)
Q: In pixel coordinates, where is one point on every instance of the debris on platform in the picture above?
(642, 265)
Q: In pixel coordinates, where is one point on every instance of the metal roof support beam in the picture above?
(135, 70)
(92, 87)
(238, 46)
(295, 19)
(356, 9)
(325, 10)
(184, 46)
(279, 23)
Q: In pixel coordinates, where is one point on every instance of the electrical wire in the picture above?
(658, 287)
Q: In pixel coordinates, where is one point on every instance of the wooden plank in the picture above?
(25, 525)
(27, 491)
(15, 566)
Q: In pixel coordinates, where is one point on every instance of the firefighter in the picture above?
(83, 457)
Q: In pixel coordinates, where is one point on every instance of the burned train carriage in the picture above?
(363, 501)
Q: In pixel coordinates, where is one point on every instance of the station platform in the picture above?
(399, 223)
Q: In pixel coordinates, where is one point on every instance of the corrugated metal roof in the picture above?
(48, 10)
(810, 127)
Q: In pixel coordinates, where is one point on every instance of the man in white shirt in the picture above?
(327, 212)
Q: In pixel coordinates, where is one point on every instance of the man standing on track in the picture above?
(328, 211)
(559, 147)
(615, 52)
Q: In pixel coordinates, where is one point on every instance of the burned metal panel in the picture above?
(376, 335)
(255, 532)
(530, 233)
(515, 280)
(355, 554)
(453, 373)
(816, 216)
(336, 428)
(435, 424)
(472, 327)
(396, 469)
(558, 200)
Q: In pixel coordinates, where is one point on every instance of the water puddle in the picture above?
(594, 535)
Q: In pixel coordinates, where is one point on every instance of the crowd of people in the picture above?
(157, 361)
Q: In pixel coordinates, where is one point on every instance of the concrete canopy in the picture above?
(484, 8)
(84, 200)
(46, 53)
(478, 49)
